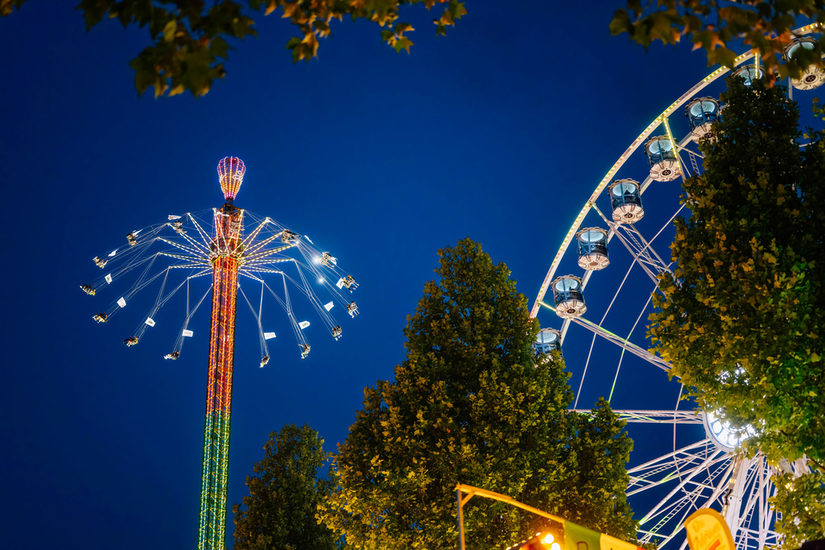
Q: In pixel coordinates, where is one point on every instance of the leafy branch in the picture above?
(712, 25)
(190, 40)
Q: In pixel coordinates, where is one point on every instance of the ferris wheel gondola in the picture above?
(697, 462)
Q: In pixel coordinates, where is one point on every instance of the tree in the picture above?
(472, 403)
(191, 38)
(284, 493)
(763, 25)
(743, 319)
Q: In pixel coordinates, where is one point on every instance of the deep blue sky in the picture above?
(498, 132)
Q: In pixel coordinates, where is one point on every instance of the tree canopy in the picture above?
(713, 25)
(191, 39)
(743, 320)
(284, 492)
(472, 403)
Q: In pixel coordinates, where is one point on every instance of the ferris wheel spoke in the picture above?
(647, 258)
(685, 493)
(693, 494)
(750, 514)
(666, 467)
(618, 340)
(566, 324)
(646, 416)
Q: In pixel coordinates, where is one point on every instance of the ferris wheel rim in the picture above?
(632, 148)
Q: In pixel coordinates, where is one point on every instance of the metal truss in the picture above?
(702, 475)
(624, 343)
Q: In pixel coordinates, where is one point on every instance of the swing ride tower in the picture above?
(243, 253)
(225, 253)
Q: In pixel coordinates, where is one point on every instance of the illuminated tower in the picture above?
(226, 251)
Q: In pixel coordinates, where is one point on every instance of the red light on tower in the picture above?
(230, 173)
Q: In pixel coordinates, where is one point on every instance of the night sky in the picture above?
(498, 131)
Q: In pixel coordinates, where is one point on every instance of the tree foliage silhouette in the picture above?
(472, 403)
(743, 320)
(190, 39)
(710, 25)
(284, 492)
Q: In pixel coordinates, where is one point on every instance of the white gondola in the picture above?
(99, 262)
(547, 341)
(264, 360)
(131, 238)
(100, 317)
(352, 309)
(664, 165)
(568, 297)
(626, 201)
(288, 236)
(812, 76)
(172, 356)
(304, 350)
(702, 112)
(131, 341)
(336, 332)
(592, 244)
(748, 73)
(88, 289)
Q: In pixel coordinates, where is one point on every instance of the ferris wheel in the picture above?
(685, 458)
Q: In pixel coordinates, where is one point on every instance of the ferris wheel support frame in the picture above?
(706, 472)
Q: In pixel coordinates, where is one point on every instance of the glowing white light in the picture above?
(187, 333)
(723, 433)
(555, 546)
(121, 302)
(321, 280)
(548, 539)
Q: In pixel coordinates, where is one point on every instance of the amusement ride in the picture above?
(245, 255)
(690, 458)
